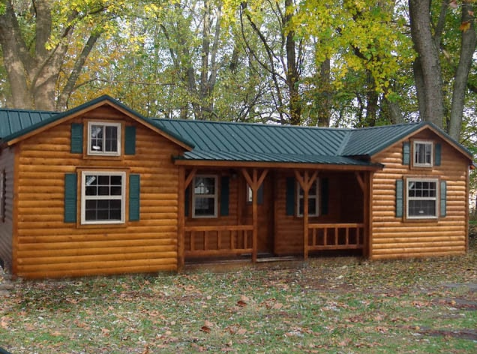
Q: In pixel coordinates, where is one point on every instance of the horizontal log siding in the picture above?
(397, 238)
(6, 227)
(48, 247)
(229, 220)
(345, 205)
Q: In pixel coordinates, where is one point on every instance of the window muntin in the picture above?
(312, 200)
(103, 197)
(423, 153)
(204, 197)
(104, 138)
(422, 198)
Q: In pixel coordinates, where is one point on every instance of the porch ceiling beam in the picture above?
(276, 165)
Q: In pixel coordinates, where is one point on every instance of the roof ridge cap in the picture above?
(344, 143)
(280, 126)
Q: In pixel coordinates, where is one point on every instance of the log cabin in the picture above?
(100, 189)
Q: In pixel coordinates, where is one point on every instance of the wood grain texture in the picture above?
(48, 247)
(394, 237)
(7, 162)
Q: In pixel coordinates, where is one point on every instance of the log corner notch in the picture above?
(254, 181)
(184, 182)
(305, 181)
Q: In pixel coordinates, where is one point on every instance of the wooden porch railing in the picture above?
(203, 241)
(335, 236)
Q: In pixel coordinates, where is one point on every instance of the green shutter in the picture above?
(71, 194)
(437, 154)
(76, 138)
(325, 195)
(224, 196)
(134, 197)
(443, 198)
(290, 196)
(130, 140)
(260, 195)
(399, 198)
(186, 201)
(406, 158)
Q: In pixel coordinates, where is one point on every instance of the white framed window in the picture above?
(103, 197)
(423, 152)
(313, 199)
(422, 196)
(204, 196)
(104, 138)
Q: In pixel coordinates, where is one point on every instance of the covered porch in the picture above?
(272, 211)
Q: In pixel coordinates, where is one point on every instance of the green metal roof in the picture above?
(16, 120)
(13, 125)
(226, 141)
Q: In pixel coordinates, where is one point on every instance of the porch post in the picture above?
(368, 244)
(305, 183)
(364, 182)
(183, 184)
(254, 182)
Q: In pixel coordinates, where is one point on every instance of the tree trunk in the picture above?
(324, 106)
(467, 49)
(432, 109)
(292, 74)
(13, 49)
(33, 70)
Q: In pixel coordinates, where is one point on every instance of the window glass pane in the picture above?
(103, 194)
(104, 138)
(96, 138)
(423, 153)
(312, 206)
(312, 198)
(249, 194)
(422, 201)
(204, 185)
(204, 206)
(422, 208)
(116, 180)
(111, 140)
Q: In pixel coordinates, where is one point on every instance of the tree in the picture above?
(369, 52)
(35, 37)
(428, 71)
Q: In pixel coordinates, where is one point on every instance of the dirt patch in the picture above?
(461, 304)
(460, 334)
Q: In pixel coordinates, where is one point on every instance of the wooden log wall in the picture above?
(230, 220)
(6, 225)
(345, 204)
(48, 247)
(399, 238)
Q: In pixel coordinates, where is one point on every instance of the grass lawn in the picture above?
(339, 305)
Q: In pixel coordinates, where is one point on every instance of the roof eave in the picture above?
(181, 161)
(86, 107)
(419, 128)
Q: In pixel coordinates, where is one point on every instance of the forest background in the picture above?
(340, 63)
